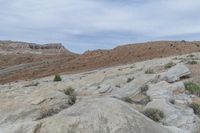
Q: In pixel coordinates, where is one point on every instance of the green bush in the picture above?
(193, 88)
(57, 78)
(192, 62)
(169, 65)
(154, 114)
(149, 71)
(196, 108)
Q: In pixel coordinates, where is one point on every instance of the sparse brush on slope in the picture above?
(149, 71)
(196, 108)
(57, 78)
(193, 88)
(72, 96)
(169, 65)
(192, 62)
(154, 114)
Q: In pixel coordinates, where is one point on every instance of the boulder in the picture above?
(177, 72)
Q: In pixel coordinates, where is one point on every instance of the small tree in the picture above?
(57, 78)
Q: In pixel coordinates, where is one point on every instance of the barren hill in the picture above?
(21, 60)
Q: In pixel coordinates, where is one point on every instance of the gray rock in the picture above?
(176, 72)
(101, 115)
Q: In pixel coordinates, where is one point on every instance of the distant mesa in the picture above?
(25, 47)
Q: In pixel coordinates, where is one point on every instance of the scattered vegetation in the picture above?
(69, 91)
(196, 108)
(72, 99)
(118, 86)
(57, 78)
(144, 88)
(129, 80)
(191, 55)
(192, 62)
(169, 65)
(72, 96)
(193, 88)
(149, 71)
(172, 101)
(154, 114)
(46, 112)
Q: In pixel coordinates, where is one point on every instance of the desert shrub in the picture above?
(193, 88)
(118, 86)
(46, 112)
(169, 65)
(154, 114)
(172, 101)
(57, 78)
(144, 88)
(191, 55)
(69, 91)
(129, 80)
(192, 62)
(149, 71)
(196, 108)
(72, 99)
(72, 96)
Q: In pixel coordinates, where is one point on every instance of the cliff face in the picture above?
(23, 47)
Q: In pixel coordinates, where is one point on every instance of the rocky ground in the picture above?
(109, 100)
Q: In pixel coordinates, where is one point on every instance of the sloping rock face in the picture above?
(101, 115)
(21, 109)
(109, 100)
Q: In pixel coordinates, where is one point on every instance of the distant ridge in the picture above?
(37, 62)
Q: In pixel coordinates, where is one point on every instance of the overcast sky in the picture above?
(91, 24)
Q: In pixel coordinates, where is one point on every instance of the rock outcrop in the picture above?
(11, 47)
(177, 72)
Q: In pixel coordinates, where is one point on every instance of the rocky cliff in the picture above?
(10, 47)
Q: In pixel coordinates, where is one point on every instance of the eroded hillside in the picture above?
(24, 61)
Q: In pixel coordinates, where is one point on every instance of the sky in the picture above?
(82, 25)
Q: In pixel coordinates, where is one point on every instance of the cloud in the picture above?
(92, 24)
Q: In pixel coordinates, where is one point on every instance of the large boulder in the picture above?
(176, 72)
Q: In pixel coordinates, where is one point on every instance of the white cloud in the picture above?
(86, 23)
